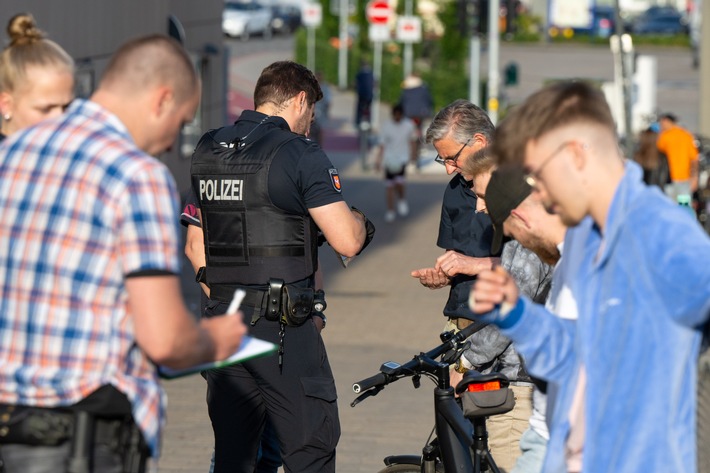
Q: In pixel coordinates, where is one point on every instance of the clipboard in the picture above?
(249, 348)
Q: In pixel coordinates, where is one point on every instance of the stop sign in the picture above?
(378, 12)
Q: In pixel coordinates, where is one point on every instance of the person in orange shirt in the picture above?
(678, 145)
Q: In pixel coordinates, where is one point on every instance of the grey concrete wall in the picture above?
(91, 30)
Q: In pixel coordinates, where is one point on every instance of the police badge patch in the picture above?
(335, 179)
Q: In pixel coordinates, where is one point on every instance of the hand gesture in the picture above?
(431, 277)
(493, 288)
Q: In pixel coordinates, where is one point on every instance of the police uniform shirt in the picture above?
(463, 230)
(301, 175)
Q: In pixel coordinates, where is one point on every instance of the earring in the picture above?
(7, 117)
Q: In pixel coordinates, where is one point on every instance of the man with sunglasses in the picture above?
(638, 268)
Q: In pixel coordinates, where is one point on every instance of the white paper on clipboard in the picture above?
(249, 348)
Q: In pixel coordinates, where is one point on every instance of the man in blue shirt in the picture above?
(626, 368)
(460, 132)
(457, 132)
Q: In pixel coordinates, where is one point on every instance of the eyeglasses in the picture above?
(452, 160)
(533, 177)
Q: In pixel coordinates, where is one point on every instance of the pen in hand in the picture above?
(236, 301)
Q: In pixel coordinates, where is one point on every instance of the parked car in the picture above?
(660, 20)
(246, 18)
(285, 18)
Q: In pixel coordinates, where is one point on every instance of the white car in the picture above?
(245, 18)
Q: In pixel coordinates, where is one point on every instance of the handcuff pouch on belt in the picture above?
(292, 305)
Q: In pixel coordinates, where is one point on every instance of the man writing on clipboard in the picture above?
(264, 192)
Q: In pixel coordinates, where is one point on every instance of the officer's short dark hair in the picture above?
(282, 81)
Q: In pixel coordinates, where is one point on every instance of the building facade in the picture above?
(91, 30)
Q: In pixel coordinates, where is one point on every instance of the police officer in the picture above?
(265, 194)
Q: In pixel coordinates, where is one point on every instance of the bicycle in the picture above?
(461, 442)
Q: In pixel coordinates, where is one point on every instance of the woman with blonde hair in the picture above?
(36, 77)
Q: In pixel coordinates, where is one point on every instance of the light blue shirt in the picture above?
(642, 291)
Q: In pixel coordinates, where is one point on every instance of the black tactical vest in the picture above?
(247, 239)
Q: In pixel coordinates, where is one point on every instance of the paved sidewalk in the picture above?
(376, 312)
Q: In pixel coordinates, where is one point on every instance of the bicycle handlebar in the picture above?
(379, 379)
(418, 364)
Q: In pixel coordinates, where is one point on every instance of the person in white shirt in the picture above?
(397, 147)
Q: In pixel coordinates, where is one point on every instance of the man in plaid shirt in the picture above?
(89, 293)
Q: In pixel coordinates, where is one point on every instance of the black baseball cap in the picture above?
(506, 190)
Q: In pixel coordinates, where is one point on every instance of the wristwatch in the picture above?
(201, 275)
(322, 316)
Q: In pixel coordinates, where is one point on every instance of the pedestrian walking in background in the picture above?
(36, 77)
(365, 90)
(417, 104)
(653, 162)
(397, 145)
(322, 111)
(678, 145)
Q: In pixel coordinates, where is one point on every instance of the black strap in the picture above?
(264, 251)
(225, 293)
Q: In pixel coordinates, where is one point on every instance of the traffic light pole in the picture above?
(408, 59)
(704, 55)
(474, 64)
(493, 60)
(343, 46)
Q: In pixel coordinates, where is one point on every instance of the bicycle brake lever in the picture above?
(366, 394)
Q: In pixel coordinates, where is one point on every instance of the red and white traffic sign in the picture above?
(312, 15)
(409, 29)
(378, 12)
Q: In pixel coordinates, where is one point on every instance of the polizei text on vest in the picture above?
(221, 189)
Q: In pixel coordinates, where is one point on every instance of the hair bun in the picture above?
(22, 29)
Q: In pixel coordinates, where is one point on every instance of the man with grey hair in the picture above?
(457, 132)
(460, 132)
